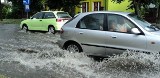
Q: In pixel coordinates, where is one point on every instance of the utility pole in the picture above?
(105, 6)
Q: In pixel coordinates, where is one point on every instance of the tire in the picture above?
(73, 48)
(51, 30)
(25, 28)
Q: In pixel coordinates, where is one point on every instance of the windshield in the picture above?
(63, 15)
(147, 26)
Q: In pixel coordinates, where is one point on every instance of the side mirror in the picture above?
(32, 18)
(135, 31)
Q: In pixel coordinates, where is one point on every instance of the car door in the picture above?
(36, 21)
(90, 34)
(118, 41)
(49, 19)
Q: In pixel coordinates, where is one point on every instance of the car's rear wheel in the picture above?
(25, 28)
(73, 48)
(51, 29)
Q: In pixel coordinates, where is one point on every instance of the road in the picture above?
(36, 55)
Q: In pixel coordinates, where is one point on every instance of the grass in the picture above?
(11, 21)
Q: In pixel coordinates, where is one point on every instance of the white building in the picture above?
(4, 1)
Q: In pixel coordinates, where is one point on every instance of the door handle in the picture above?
(80, 32)
(114, 36)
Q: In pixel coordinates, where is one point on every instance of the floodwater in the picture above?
(36, 55)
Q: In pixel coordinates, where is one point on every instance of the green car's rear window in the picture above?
(63, 15)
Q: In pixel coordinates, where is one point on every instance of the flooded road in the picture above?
(36, 55)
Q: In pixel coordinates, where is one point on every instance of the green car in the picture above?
(50, 21)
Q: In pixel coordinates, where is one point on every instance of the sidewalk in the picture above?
(11, 21)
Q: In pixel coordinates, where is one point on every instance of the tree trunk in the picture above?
(44, 7)
(135, 7)
(1, 19)
(158, 15)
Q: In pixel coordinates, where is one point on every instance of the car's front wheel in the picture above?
(73, 48)
(25, 28)
(51, 29)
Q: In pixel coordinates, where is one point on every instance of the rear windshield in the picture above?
(63, 15)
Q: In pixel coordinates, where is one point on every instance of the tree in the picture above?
(43, 2)
(6, 10)
(65, 5)
(38, 5)
(18, 8)
(1, 11)
(157, 4)
(138, 5)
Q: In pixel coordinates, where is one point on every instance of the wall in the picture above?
(110, 6)
(113, 6)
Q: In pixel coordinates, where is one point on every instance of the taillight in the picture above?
(61, 31)
(58, 20)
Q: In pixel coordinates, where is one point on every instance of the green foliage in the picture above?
(0, 11)
(65, 5)
(140, 3)
(61, 4)
(118, 1)
(38, 5)
(35, 6)
(6, 10)
(140, 6)
(18, 8)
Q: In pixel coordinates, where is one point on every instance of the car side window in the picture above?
(49, 15)
(118, 23)
(92, 22)
(38, 15)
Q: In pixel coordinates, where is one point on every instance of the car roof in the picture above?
(112, 12)
(52, 11)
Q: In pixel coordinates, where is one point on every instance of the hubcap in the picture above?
(25, 28)
(73, 48)
(51, 30)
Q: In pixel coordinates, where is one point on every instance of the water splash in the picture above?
(130, 64)
(39, 51)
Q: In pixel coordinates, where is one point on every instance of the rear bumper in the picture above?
(59, 26)
(61, 43)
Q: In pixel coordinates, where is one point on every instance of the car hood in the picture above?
(25, 20)
(156, 33)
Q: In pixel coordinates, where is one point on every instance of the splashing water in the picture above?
(39, 52)
(131, 64)
(126, 65)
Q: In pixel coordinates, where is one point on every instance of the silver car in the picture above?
(103, 33)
